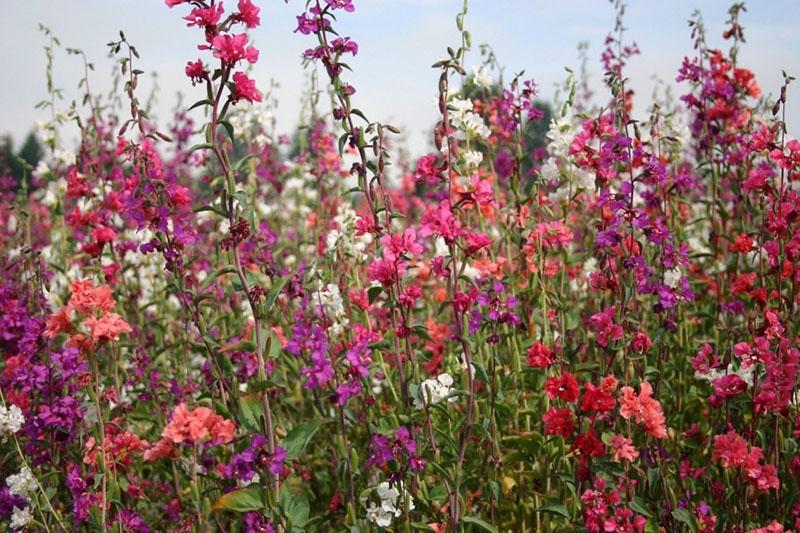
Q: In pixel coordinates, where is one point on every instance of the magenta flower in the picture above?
(233, 48)
(244, 88)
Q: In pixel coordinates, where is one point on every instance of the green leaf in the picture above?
(359, 113)
(242, 500)
(482, 524)
(242, 162)
(214, 275)
(201, 146)
(229, 128)
(373, 293)
(298, 438)
(295, 508)
(200, 103)
(682, 515)
(638, 506)
(555, 508)
(274, 292)
(251, 411)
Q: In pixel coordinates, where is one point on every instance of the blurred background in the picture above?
(398, 41)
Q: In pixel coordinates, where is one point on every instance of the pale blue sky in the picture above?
(399, 40)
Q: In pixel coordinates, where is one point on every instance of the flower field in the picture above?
(564, 316)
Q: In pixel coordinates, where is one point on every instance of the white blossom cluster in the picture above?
(345, 239)
(147, 270)
(11, 419)
(672, 277)
(481, 78)
(472, 159)
(433, 391)
(249, 122)
(393, 500)
(462, 117)
(329, 299)
(21, 484)
(556, 168)
(715, 373)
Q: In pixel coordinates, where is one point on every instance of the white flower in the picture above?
(472, 159)
(244, 483)
(21, 484)
(590, 265)
(474, 124)
(672, 277)
(434, 390)
(41, 169)
(460, 108)
(560, 135)
(64, 157)
(329, 299)
(388, 509)
(20, 517)
(379, 516)
(387, 492)
(481, 78)
(11, 419)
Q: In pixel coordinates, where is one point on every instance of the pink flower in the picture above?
(199, 425)
(476, 241)
(439, 220)
(162, 448)
(103, 234)
(108, 327)
(729, 385)
(734, 452)
(644, 409)
(395, 246)
(551, 234)
(773, 527)
(248, 13)
(233, 48)
(86, 298)
(244, 88)
(205, 16)
(623, 448)
(347, 5)
(605, 328)
(385, 271)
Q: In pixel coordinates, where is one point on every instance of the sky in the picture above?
(398, 41)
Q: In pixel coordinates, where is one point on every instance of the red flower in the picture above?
(196, 71)
(539, 356)
(244, 88)
(564, 386)
(559, 422)
(233, 48)
(600, 399)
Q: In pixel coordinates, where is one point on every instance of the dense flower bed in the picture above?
(258, 333)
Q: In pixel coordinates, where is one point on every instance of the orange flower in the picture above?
(623, 448)
(108, 327)
(57, 323)
(162, 448)
(87, 298)
(645, 409)
(199, 425)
